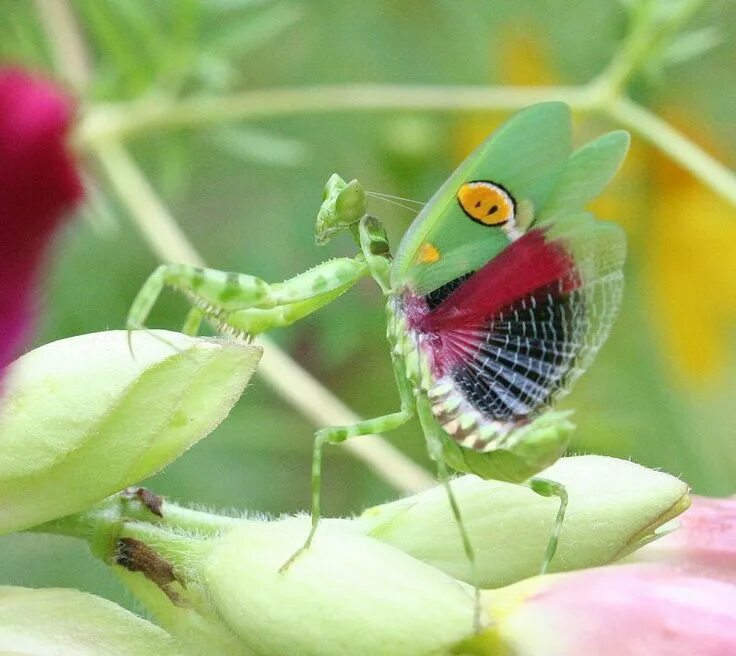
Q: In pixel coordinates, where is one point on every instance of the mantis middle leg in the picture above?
(337, 434)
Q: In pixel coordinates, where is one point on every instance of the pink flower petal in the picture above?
(705, 542)
(39, 185)
(626, 610)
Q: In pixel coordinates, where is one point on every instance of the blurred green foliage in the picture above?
(246, 195)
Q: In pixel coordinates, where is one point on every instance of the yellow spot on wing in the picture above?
(428, 254)
(486, 203)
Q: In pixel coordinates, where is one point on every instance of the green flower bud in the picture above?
(615, 506)
(348, 595)
(82, 418)
(57, 621)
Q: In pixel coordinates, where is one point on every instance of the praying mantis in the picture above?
(498, 298)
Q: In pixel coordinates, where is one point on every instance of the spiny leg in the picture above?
(146, 299)
(436, 453)
(221, 295)
(219, 290)
(547, 488)
(254, 321)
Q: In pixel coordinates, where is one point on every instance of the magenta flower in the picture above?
(636, 610)
(705, 542)
(39, 185)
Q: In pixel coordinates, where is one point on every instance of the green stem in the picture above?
(603, 94)
(673, 143)
(125, 120)
(195, 521)
(98, 526)
(123, 516)
(81, 525)
(103, 125)
(647, 34)
(70, 55)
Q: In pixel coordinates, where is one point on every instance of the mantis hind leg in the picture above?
(436, 453)
(547, 488)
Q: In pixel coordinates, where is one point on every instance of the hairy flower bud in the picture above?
(82, 418)
(615, 506)
(348, 595)
(58, 621)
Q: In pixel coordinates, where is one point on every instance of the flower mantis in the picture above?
(499, 296)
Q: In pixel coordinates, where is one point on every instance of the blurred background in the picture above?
(662, 390)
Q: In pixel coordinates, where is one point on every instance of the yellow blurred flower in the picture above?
(691, 269)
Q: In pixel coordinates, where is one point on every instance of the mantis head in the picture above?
(343, 205)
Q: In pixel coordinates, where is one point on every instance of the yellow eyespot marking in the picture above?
(428, 254)
(486, 203)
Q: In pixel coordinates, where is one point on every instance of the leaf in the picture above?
(691, 45)
(128, 60)
(246, 35)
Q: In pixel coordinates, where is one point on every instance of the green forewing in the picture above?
(527, 155)
(588, 171)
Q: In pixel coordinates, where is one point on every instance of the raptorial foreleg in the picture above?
(220, 295)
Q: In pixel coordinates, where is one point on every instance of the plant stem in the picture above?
(673, 143)
(70, 54)
(109, 516)
(284, 375)
(604, 94)
(126, 120)
(648, 33)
